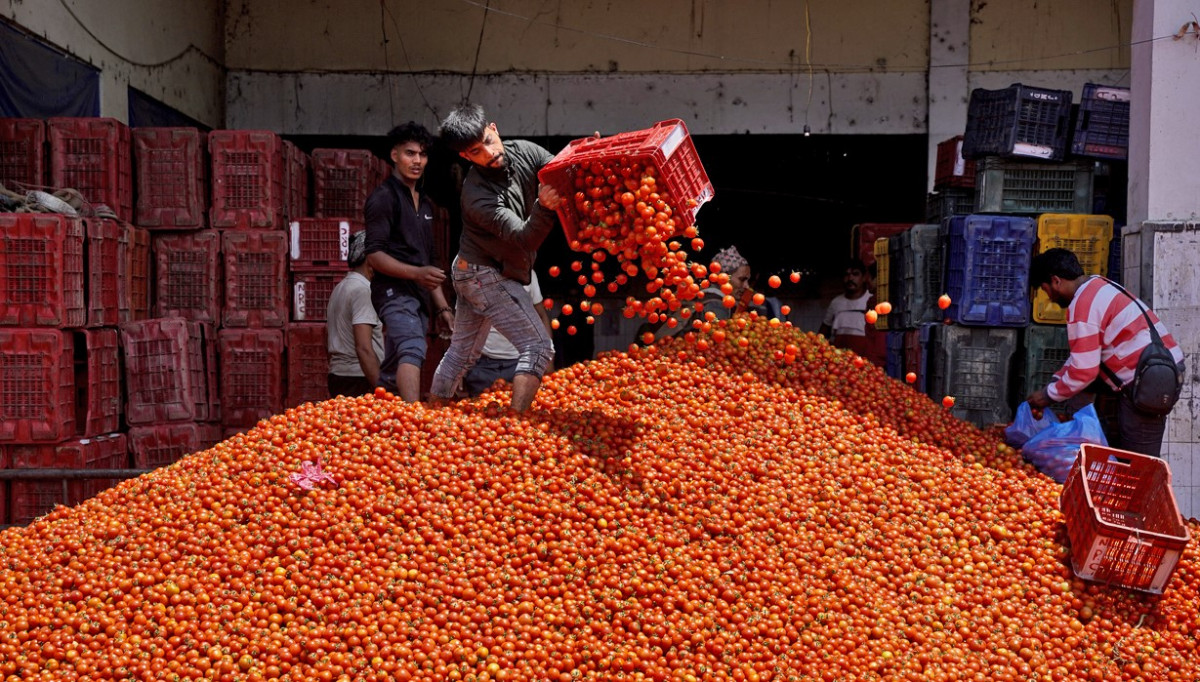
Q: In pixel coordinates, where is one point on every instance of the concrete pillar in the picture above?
(1161, 242)
(949, 52)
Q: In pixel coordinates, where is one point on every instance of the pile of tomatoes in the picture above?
(623, 213)
(701, 509)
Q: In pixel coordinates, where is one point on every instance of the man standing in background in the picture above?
(354, 335)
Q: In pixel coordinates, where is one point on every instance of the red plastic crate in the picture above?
(92, 155)
(952, 170)
(295, 181)
(311, 291)
(251, 375)
(168, 371)
(321, 243)
(307, 364)
(1122, 520)
(863, 236)
(256, 278)
(163, 444)
(342, 181)
(29, 499)
(247, 179)
(666, 144)
(37, 385)
(22, 154)
(41, 270)
(102, 252)
(170, 170)
(188, 275)
(98, 382)
(133, 298)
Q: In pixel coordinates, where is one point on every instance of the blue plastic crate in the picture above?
(987, 271)
(1102, 126)
(1115, 263)
(894, 364)
(1019, 121)
(921, 257)
(973, 365)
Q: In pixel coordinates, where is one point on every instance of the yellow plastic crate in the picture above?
(1086, 235)
(880, 249)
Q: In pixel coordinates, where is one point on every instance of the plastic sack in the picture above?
(1053, 450)
(1024, 426)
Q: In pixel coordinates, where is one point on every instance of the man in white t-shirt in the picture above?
(845, 323)
(498, 359)
(354, 334)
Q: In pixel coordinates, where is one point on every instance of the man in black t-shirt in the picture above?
(407, 288)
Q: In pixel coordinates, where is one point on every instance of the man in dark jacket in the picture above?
(506, 214)
(407, 288)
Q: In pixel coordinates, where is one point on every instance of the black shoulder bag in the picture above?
(1156, 383)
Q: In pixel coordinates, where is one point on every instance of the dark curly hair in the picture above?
(409, 132)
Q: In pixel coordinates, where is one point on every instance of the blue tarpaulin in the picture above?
(147, 112)
(37, 81)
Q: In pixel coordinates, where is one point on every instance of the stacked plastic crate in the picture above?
(172, 397)
(60, 302)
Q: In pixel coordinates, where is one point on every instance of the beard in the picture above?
(499, 162)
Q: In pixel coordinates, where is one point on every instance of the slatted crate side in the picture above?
(22, 153)
(92, 156)
(973, 364)
(171, 175)
(162, 444)
(307, 363)
(188, 275)
(98, 382)
(311, 290)
(987, 269)
(37, 385)
(102, 260)
(247, 180)
(252, 381)
(42, 270)
(29, 499)
(163, 371)
(256, 279)
(342, 181)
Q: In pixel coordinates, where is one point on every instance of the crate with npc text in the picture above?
(252, 380)
(916, 355)
(42, 270)
(162, 444)
(951, 169)
(883, 282)
(1123, 524)
(98, 382)
(307, 364)
(342, 181)
(949, 201)
(666, 146)
(38, 400)
(987, 269)
(247, 180)
(311, 290)
(256, 278)
(1102, 125)
(188, 275)
(296, 166)
(1009, 186)
(894, 361)
(29, 499)
(972, 365)
(921, 254)
(863, 236)
(102, 252)
(170, 169)
(92, 156)
(321, 243)
(1087, 236)
(167, 371)
(1019, 121)
(22, 154)
(133, 283)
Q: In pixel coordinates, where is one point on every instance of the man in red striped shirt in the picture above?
(1105, 325)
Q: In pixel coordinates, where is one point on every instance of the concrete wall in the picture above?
(557, 68)
(171, 50)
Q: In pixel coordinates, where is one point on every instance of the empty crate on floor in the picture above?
(28, 499)
(22, 154)
(92, 156)
(41, 270)
(972, 364)
(171, 170)
(251, 375)
(170, 371)
(307, 363)
(1018, 121)
(163, 444)
(987, 271)
(1087, 236)
(188, 275)
(247, 179)
(256, 278)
